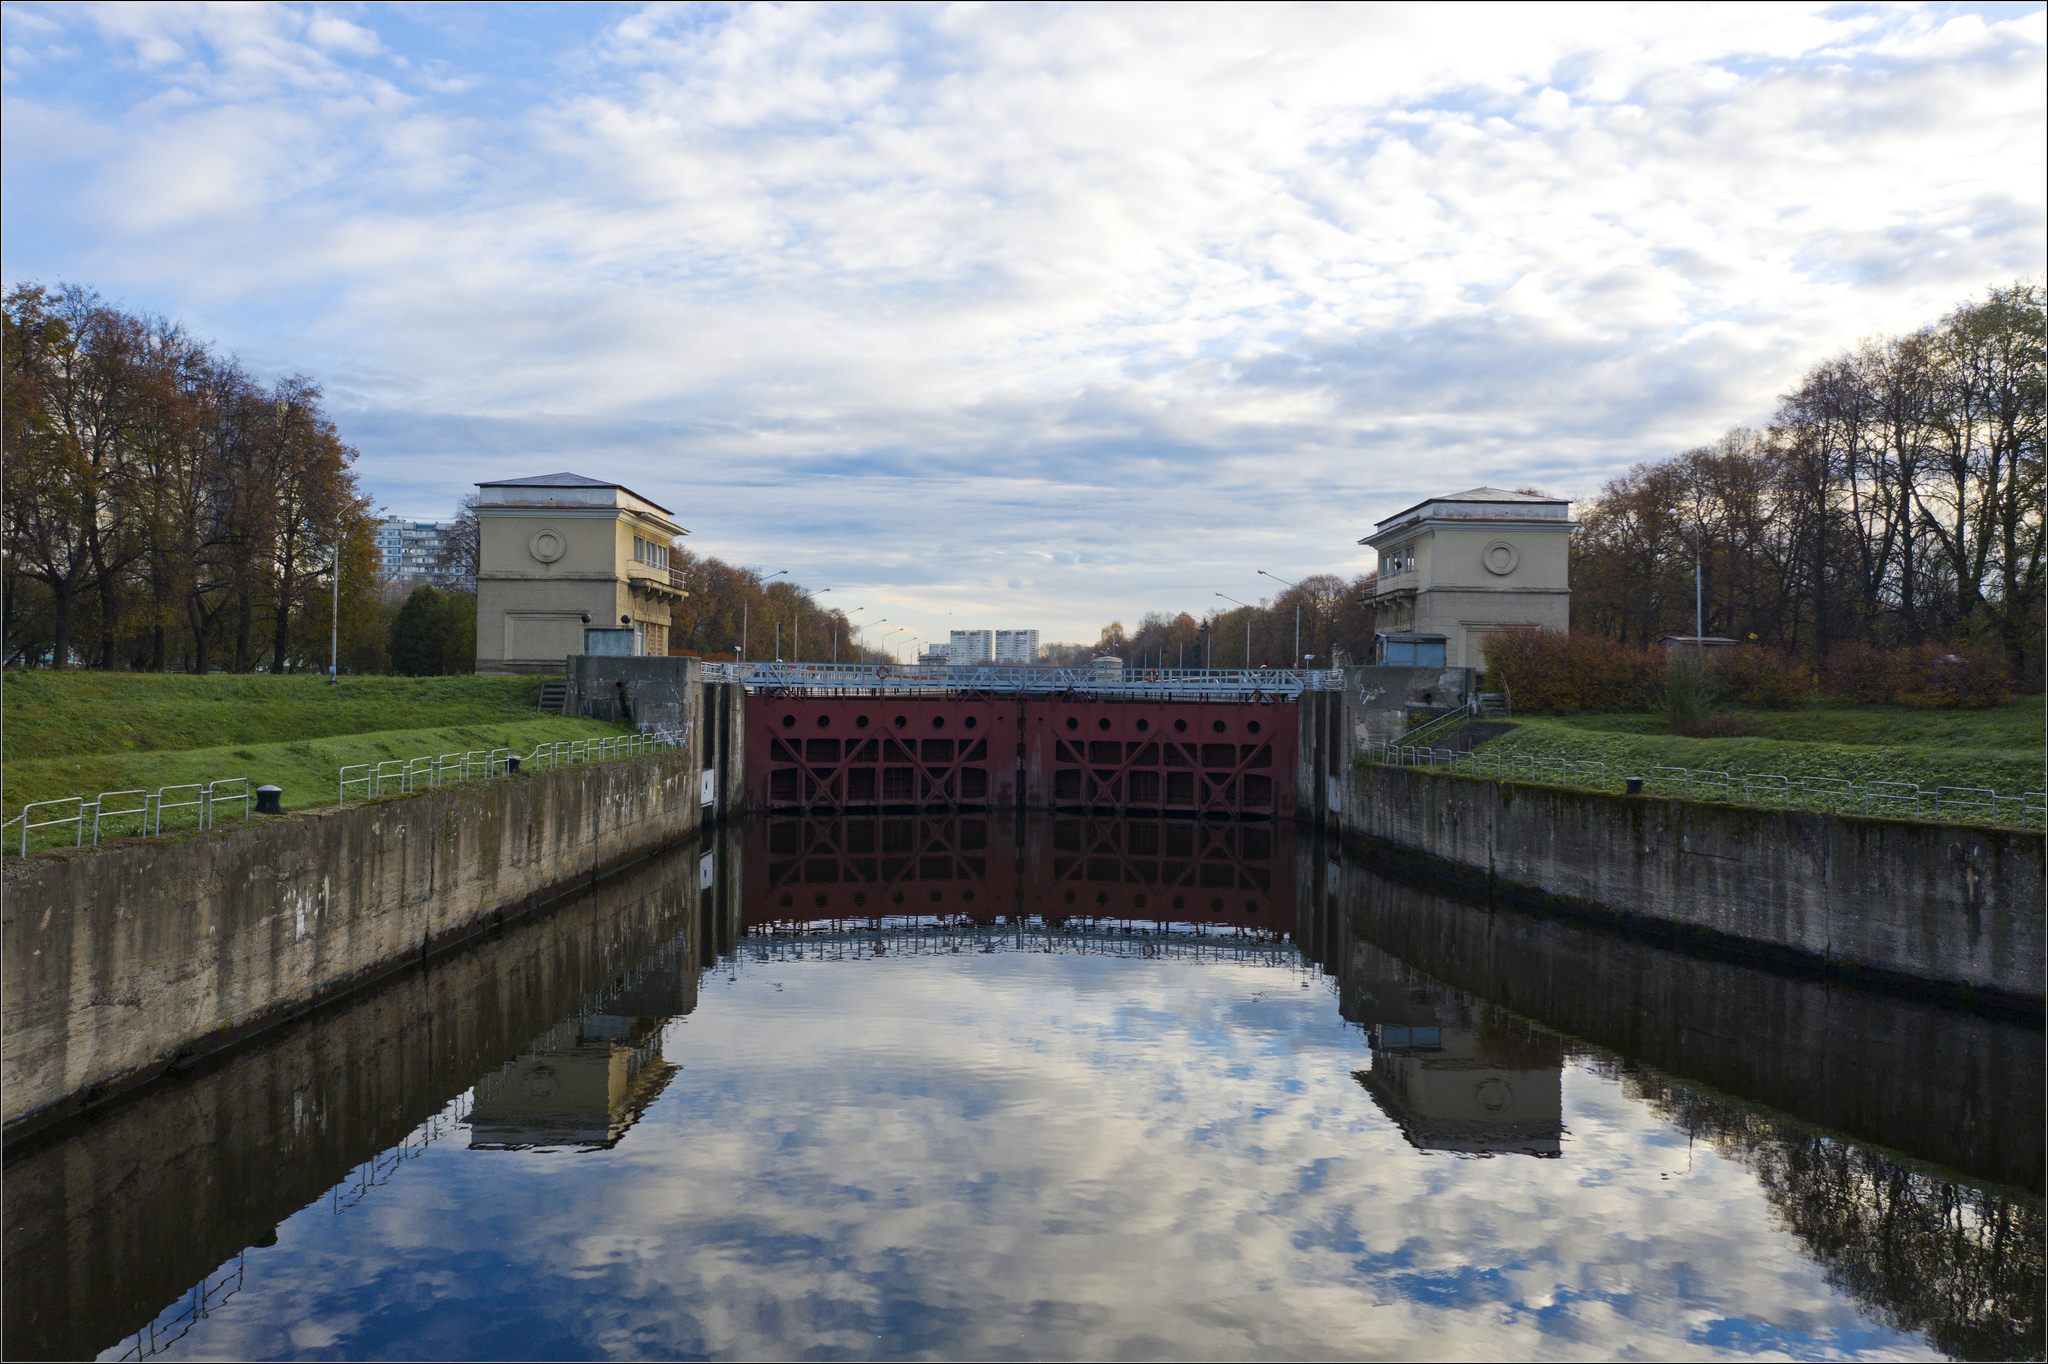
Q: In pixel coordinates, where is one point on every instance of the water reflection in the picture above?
(1072, 1086)
(1453, 1075)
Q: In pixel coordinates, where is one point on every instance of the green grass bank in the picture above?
(78, 734)
(2000, 748)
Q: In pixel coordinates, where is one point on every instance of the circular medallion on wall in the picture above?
(1500, 558)
(548, 546)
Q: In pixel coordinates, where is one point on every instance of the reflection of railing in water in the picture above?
(202, 1301)
(379, 1168)
(840, 940)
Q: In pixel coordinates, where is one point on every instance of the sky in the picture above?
(1027, 316)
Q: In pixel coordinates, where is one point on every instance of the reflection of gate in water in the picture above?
(986, 752)
(984, 866)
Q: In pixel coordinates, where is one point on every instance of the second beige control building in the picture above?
(570, 565)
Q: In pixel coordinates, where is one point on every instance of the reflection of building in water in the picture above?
(1454, 1075)
(588, 1079)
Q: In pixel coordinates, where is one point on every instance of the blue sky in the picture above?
(1031, 315)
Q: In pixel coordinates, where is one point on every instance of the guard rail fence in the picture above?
(127, 813)
(1826, 795)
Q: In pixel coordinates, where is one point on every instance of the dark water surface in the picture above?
(1051, 1089)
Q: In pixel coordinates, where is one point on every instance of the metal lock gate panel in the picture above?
(1220, 759)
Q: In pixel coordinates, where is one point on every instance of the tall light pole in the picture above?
(746, 606)
(885, 641)
(334, 627)
(835, 639)
(1247, 630)
(859, 636)
(1297, 613)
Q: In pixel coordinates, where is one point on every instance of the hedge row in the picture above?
(1564, 673)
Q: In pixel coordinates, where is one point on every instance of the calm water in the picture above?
(1070, 1088)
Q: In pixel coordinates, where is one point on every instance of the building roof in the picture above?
(1482, 495)
(570, 481)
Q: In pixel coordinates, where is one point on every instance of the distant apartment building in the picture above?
(969, 647)
(937, 655)
(410, 551)
(1018, 648)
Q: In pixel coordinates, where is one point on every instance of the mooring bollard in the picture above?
(1635, 786)
(269, 800)
(512, 764)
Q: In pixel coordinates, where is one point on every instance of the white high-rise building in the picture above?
(410, 551)
(1018, 648)
(969, 647)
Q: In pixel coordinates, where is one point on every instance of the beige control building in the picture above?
(570, 565)
(1455, 569)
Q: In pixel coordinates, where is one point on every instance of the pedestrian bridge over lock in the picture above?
(1198, 684)
(1196, 743)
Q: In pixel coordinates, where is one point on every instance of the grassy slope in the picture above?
(62, 715)
(2000, 748)
(78, 734)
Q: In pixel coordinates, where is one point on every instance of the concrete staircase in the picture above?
(553, 694)
(1493, 705)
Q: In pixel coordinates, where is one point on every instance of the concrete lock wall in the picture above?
(1956, 908)
(123, 961)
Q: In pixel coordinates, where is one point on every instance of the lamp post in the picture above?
(1297, 613)
(859, 638)
(1247, 630)
(334, 627)
(747, 606)
(884, 650)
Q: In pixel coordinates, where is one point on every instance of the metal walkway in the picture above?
(886, 679)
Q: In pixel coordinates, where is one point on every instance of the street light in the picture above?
(1247, 630)
(746, 606)
(835, 639)
(858, 641)
(1297, 614)
(334, 630)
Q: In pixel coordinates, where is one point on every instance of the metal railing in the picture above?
(894, 679)
(102, 814)
(1768, 790)
(1442, 724)
(409, 776)
(93, 817)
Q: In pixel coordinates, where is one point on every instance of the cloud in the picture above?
(1140, 293)
(976, 1155)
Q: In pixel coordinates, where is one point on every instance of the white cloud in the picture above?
(981, 1156)
(1251, 277)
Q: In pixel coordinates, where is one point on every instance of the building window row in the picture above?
(650, 552)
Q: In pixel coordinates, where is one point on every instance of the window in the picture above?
(1412, 653)
(650, 553)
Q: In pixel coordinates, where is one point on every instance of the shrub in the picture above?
(434, 633)
(1941, 677)
(1689, 686)
(1932, 676)
(1863, 675)
(1546, 670)
(1760, 676)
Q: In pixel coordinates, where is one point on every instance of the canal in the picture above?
(1055, 1087)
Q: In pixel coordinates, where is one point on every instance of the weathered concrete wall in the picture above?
(1938, 1083)
(1959, 909)
(121, 962)
(112, 1223)
(655, 691)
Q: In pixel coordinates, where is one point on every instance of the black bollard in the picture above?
(269, 800)
(1635, 786)
(512, 764)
